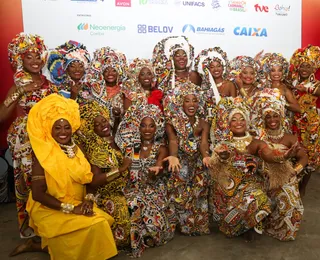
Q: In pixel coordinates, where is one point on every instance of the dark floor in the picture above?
(214, 246)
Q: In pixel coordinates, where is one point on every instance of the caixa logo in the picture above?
(250, 31)
(143, 28)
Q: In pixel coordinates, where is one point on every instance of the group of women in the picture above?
(114, 156)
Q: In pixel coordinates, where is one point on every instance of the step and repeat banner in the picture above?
(135, 26)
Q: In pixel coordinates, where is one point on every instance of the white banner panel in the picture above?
(135, 26)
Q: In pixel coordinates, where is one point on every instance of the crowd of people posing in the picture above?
(113, 156)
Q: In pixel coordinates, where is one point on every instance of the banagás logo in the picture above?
(189, 28)
(99, 30)
(250, 31)
(144, 28)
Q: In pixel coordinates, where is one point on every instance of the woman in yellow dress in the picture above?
(60, 212)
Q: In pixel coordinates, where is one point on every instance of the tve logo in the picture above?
(189, 28)
(123, 3)
(143, 28)
(250, 31)
(262, 8)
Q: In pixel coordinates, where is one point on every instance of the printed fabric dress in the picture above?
(20, 148)
(189, 188)
(152, 214)
(240, 202)
(284, 221)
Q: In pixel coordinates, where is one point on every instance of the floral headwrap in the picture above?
(60, 58)
(163, 53)
(239, 63)
(225, 110)
(309, 54)
(137, 65)
(274, 59)
(128, 134)
(202, 64)
(19, 46)
(104, 58)
(266, 101)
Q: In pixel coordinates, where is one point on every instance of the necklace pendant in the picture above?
(144, 148)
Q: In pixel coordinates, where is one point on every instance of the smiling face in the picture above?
(147, 129)
(276, 73)
(272, 121)
(110, 75)
(32, 62)
(305, 70)
(75, 70)
(216, 69)
(62, 131)
(238, 125)
(190, 105)
(145, 77)
(180, 60)
(101, 126)
(247, 75)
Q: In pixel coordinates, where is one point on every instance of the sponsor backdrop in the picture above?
(135, 26)
(60, 20)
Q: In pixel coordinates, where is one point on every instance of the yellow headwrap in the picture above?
(59, 169)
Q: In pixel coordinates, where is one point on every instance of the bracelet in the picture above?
(315, 91)
(113, 174)
(21, 90)
(90, 197)
(243, 92)
(298, 168)
(14, 97)
(279, 159)
(38, 178)
(67, 208)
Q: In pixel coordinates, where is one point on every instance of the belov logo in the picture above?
(100, 29)
(189, 28)
(143, 28)
(250, 31)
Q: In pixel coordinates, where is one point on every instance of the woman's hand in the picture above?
(206, 161)
(301, 88)
(155, 170)
(292, 152)
(174, 164)
(75, 88)
(238, 81)
(116, 111)
(85, 208)
(125, 165)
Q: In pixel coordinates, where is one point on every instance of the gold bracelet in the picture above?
(298, 168)
(21, 90)
(38, 178)
(90, 197)
(315, 90)
(243, 92)
(67, 208)
(113, 174)
(9, 100)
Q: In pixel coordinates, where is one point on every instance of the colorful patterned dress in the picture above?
(110, 197)
(307, 123)
(240, 202)
(21, 151)
(284, 221)
(152, 214)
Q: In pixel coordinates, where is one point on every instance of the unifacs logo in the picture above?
(153, 2)
(189, 28)
(99, 29)
(282, 10)
(244, 31)
(193, 3)
(143, 28)
(237, 6)
(215, 4)
(123, 3)
(262, 8)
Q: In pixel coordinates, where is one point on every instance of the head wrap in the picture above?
(225, 110)
(60, 58)
(128, 134)
(202, 64)
(19, 46)
(58, 167)
(137, 65)
(274, 59)
(265, 101)
(309, 54)
(239, 63)
(163, 54)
